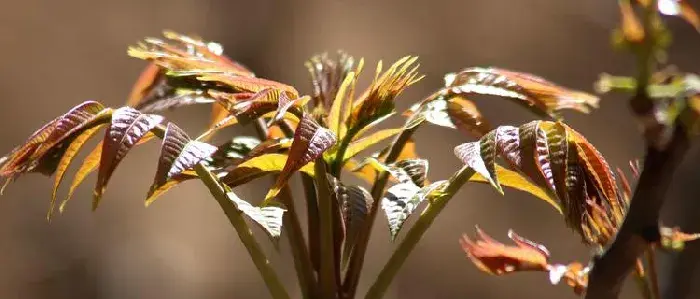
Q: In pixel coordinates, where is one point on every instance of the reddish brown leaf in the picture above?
(496, 258)
(178, 153)
(543, 97)
(310, 141)
(127, 128)
(466, 117)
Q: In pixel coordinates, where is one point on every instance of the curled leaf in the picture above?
(310, 141)
(496, 258)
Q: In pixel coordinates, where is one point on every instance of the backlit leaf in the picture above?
(515, 180)
(169, 184)
(259, 166)
(66, 160)
(632, 28)
(543, 97)
(496, 258)
(127, 128)
(466, 117)
(310, 141)
(359, 145)
(178, 153)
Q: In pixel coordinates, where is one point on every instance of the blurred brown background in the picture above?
(54, 54)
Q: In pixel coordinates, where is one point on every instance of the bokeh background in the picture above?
(55, 54)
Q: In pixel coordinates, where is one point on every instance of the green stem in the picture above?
(302, 259)
(416, 232)
(300, 252)
(313, 219)
(337, 163)
(327, 274)
(352, 278)
(218, 191)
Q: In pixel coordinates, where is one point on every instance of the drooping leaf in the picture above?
(310, 141)
(178, 153)
(269, 218)
(416, 169)
(359, 145)
(270, 146)
(259, 166)
(466, 117)
(223, 123)
(543, 97)
(354, 202)
(89, 165)
(232, 152)
(127, 128)
(44, 148)
(402, 199)
(66, 160)
(169, 184)
(556, 137)
(515, 180)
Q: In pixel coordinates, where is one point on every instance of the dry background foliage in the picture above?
(56, 54)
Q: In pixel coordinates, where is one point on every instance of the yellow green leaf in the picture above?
(361, 144)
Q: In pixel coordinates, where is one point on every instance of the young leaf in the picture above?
(269, 218)
(359, 145)
(178, 153)
(378, 100)
(327, 75)
(416, 169)
(515, 180)
(67, 158)
(496, 258)
(402, 199)
(172, 182)
(543, 97)
(354, 202)
(310, 141)
(127, 128)
(482, 158)
(632, 28)
(466, 117)
(259, 166)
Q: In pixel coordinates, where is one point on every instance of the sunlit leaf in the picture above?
(342, 102)
(127, 128)
(402, 199)
(178, 153)
(466, 117)
(66, 160)
(515, 180)
(359, 145)
(169, 184)
(260, 166)
(543, 97)
(310, 141)
(416, 169)
(482, 158)
(89, 165)
(269, 218)
(378, 100)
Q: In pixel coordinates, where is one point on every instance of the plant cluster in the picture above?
(326, 134)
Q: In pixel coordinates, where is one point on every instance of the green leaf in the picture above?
(310, 141)
(127, 128)
(260, 166)
(359, 145)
